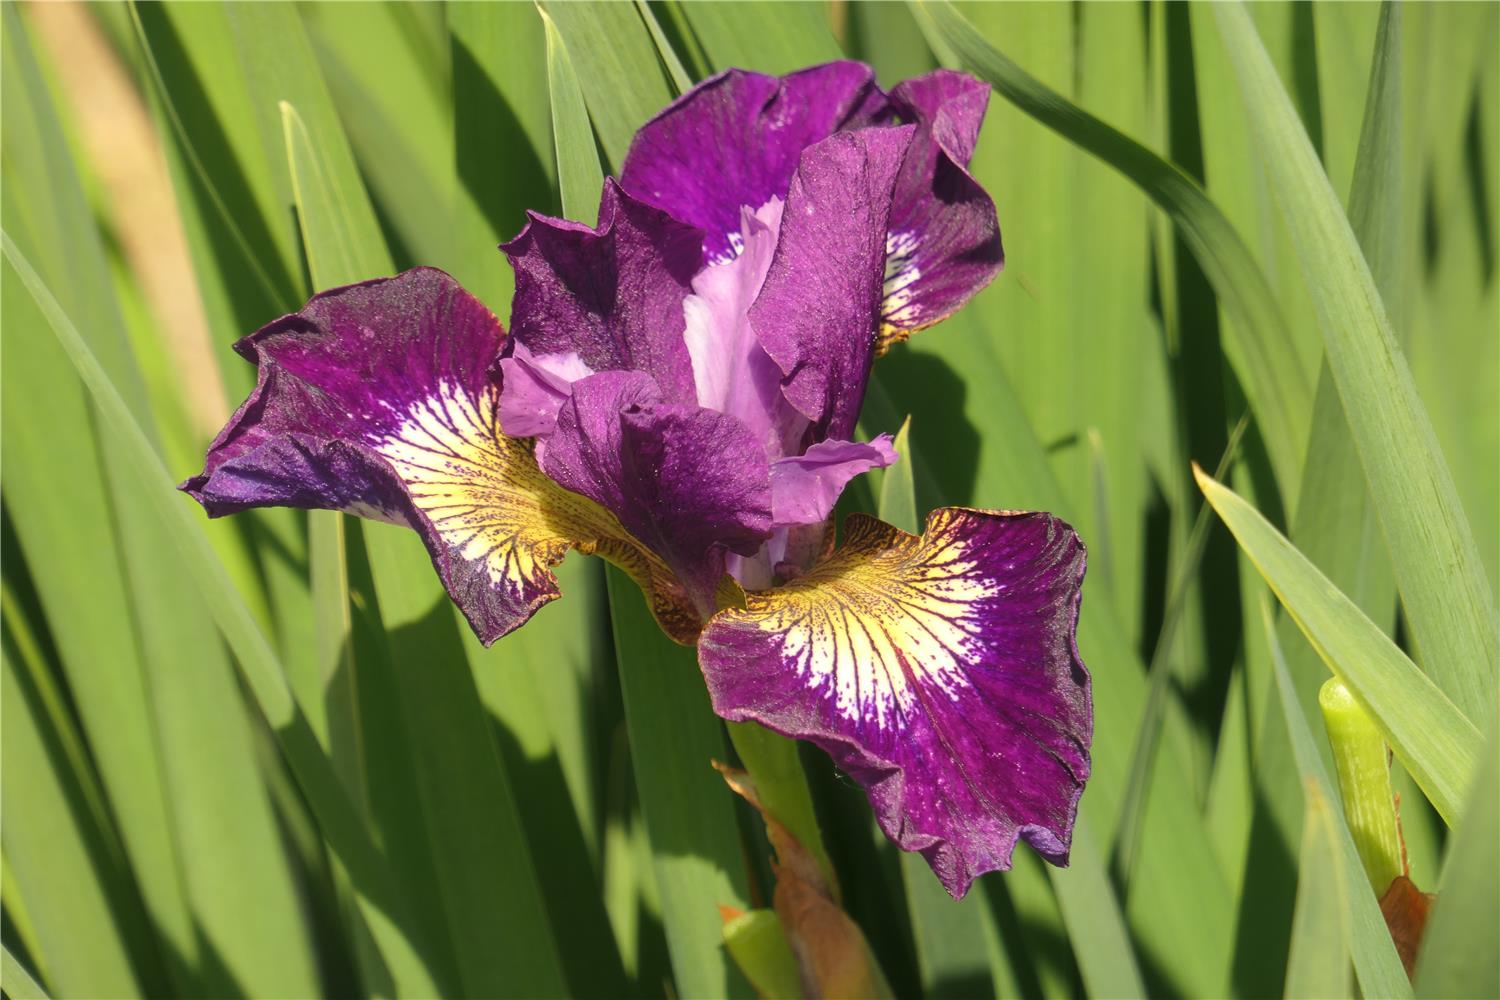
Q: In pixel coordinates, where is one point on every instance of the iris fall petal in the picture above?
(941, 672)
(376, 399)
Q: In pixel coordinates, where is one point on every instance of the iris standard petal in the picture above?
(941, 672)
(735, 140)
(376, 399)
(733, 373)
(805, 487)
(817, 311)
(689, 483)
(944, 242)
(611, 295)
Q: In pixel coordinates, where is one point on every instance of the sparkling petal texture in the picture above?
(817, 311)
(690, 483)
(944, 242)
(376, 399)
(941, 672)
(612, 295)
(735, 140)
(805, 487)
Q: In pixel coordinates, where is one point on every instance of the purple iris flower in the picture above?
(679, 394)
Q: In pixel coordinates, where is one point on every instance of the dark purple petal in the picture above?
(689, 483)
(376, 399)
(944, 243)
(533, 387)
(805, 487)
(612, 295)
(941, 672)
(818, 309)
(735, 140)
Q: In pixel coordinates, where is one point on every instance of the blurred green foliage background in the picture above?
(263, 756)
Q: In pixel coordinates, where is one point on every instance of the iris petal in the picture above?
(610, 295)
(376, 399)
(944, 242)
(735, 140)
(690, 483)
(818, 308)
(941, 672)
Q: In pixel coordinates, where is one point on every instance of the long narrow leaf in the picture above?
(1436, 741)
(258, 663)
(1278, 390)
(1375, 961)
(1438, 569)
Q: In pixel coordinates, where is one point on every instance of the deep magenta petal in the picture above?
(944, 243)
(940, 672)
(735, 140)
(690, 483)
(611, 295)
(377, 399)
(818, 308)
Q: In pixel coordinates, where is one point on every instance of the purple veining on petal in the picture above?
(817, 311)
(533, 388)
(735, 140)
(689, 483)
(612, 295)
(941, 673)
(944, 242)
(805, 487)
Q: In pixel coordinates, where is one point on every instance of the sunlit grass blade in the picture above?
(259, 666)
(578, 172)
(502, 137)
(389, 81)
(198, 825)
(1438, 568)
(247, 261)
(769, 37)
(677, 73)
(86, 948)
(1278, 390)
(1458, 956)
(690, 820)
(1318, 965)
(617, 68)
(17, 982)
(1375, 960)
(1333, 525)
(1431, 736)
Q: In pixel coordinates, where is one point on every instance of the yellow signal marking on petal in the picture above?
(888, 612)
(489, 500)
